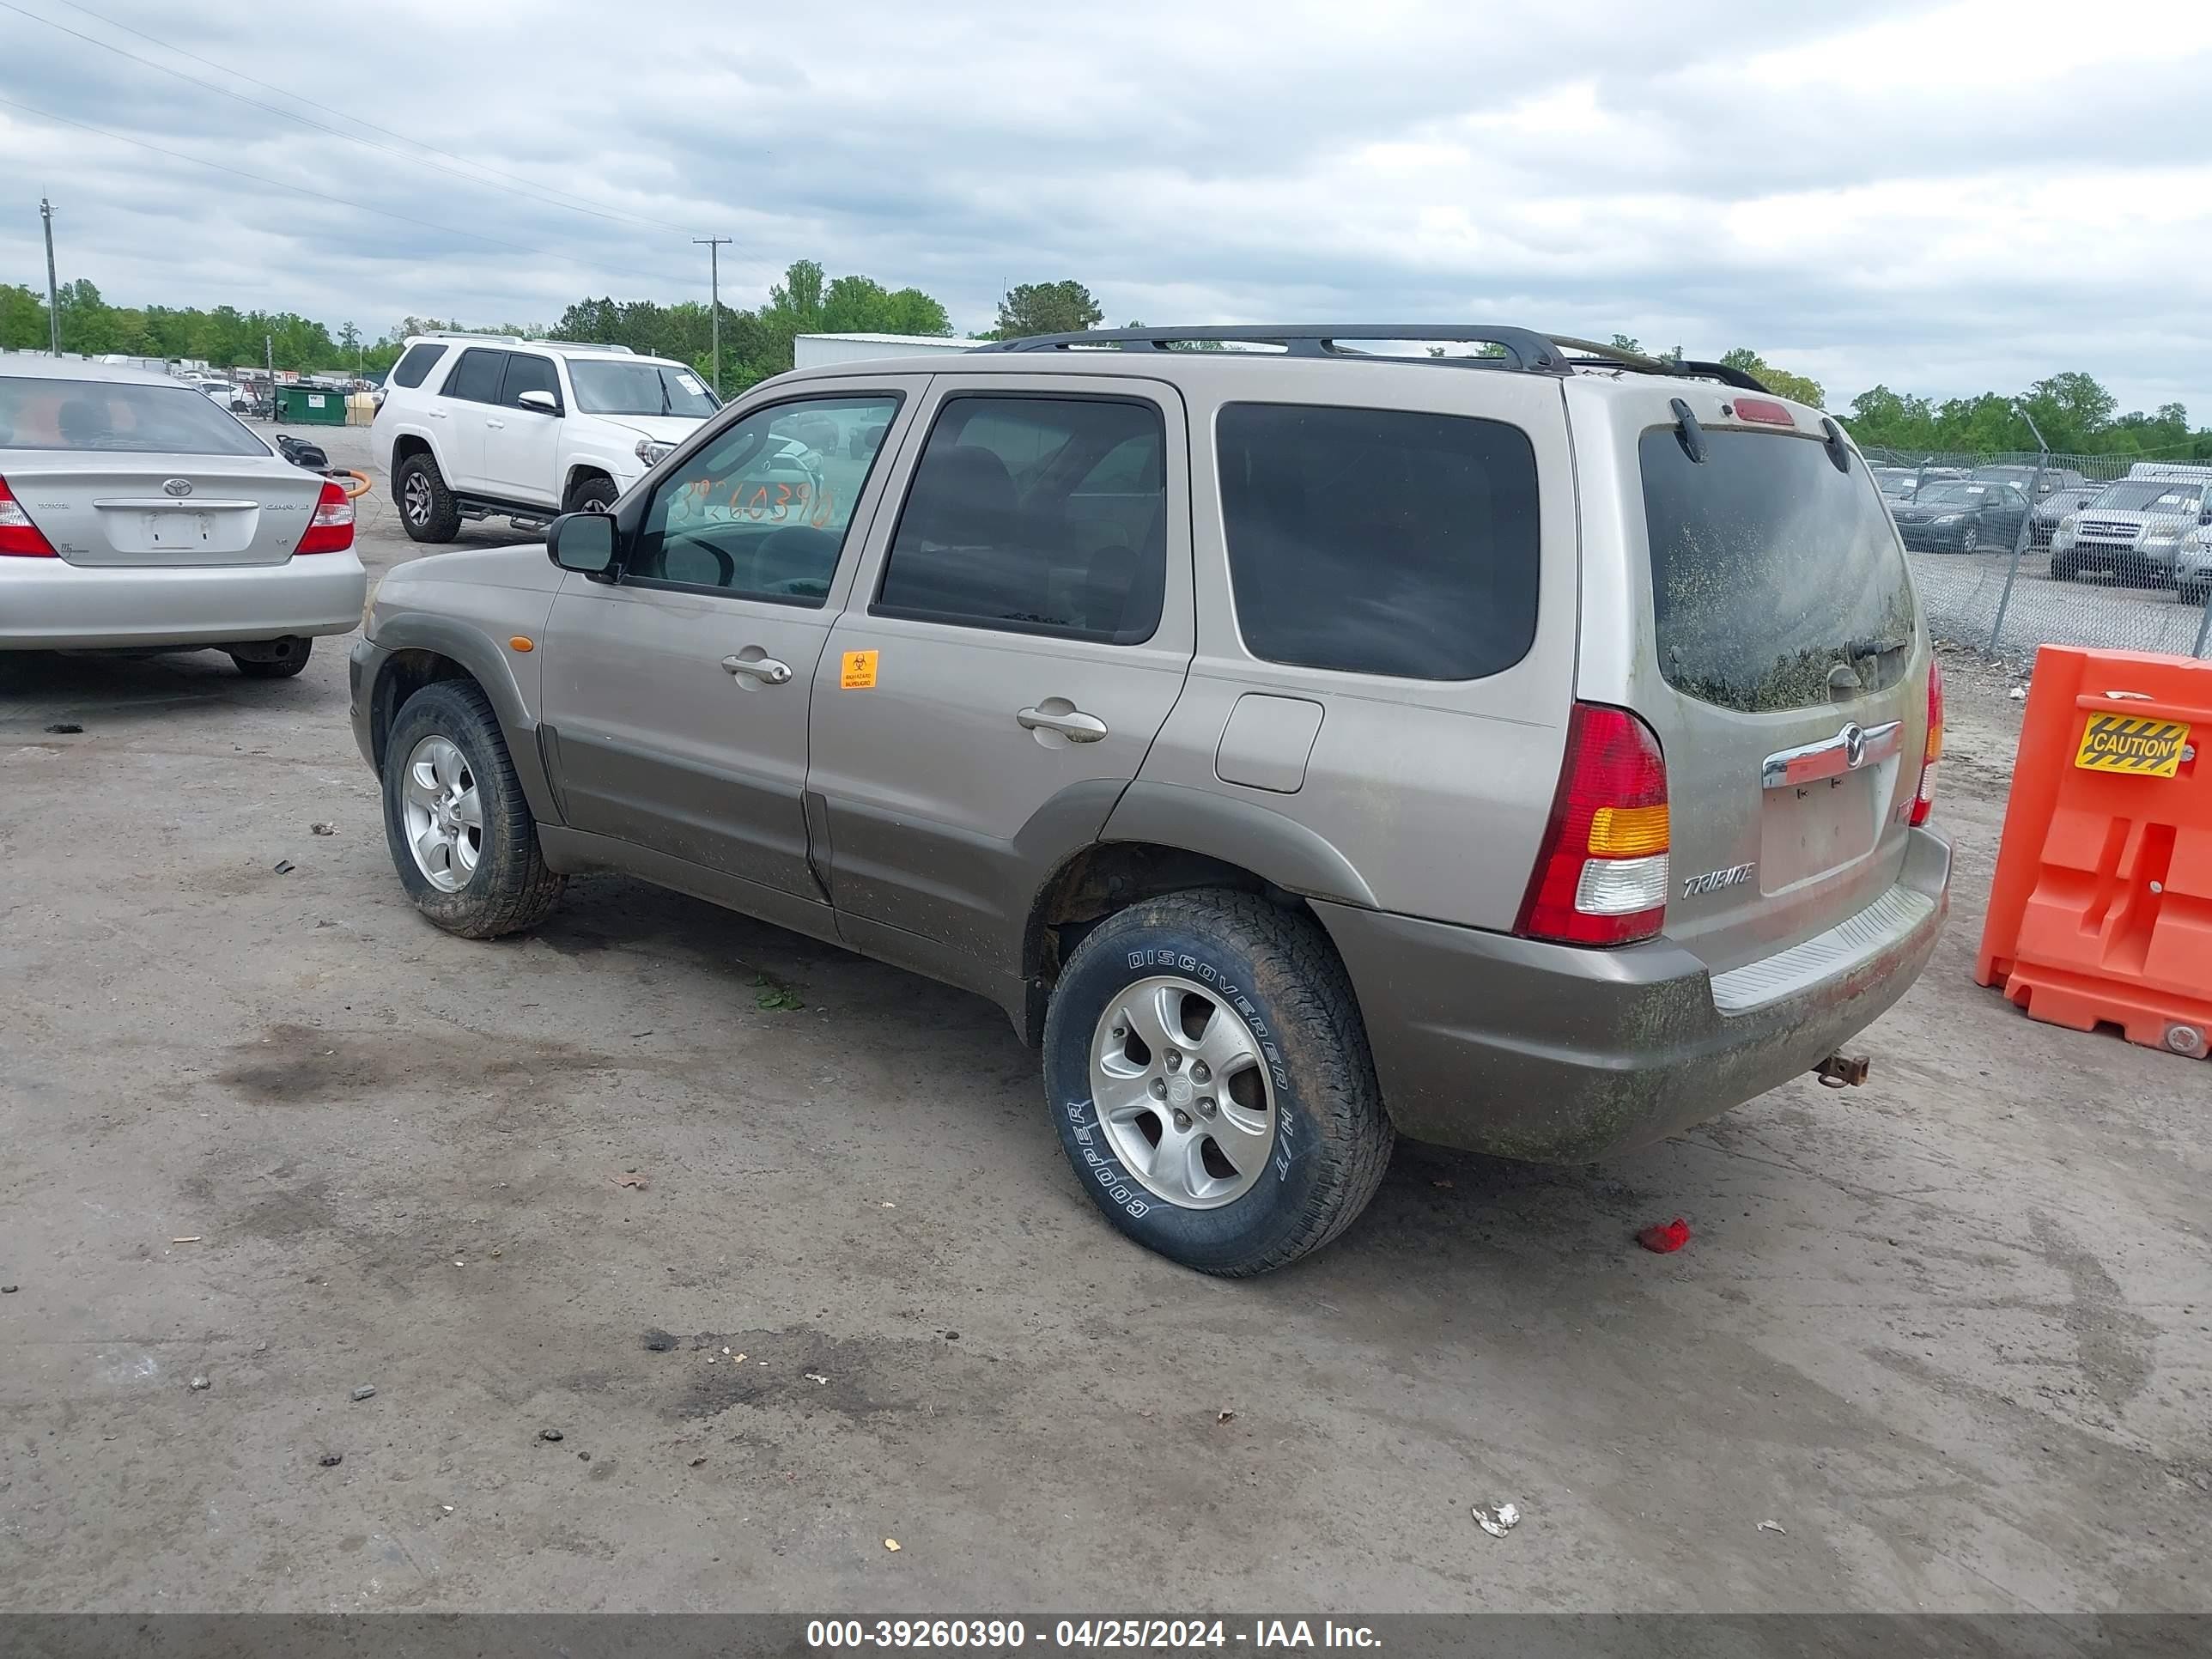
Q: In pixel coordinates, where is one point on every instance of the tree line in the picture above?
(2076, 414)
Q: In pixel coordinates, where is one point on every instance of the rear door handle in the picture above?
(767, 670)
(1075, 725)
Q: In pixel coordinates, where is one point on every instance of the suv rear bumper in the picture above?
(1561, 1054)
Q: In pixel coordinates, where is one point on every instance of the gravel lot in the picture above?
(1951, 1332)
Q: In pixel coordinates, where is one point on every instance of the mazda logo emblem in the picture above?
(177, 486)
(1854, 745)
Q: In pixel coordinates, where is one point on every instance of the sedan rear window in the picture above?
(1770, 569)
(37, 412)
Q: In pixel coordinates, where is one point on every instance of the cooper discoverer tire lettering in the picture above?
(1189, 1034)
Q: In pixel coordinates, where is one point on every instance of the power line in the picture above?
(572, 205)
(324, 196)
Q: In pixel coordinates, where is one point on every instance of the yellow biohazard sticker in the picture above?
(2144, 749)
(859, 672)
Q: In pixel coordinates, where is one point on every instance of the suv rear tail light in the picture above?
(1924, 802)
(18, 534)
(1601, 877)
(330, 530)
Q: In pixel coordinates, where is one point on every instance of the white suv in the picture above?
(477, 425)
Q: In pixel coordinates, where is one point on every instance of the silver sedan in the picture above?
(136, 515)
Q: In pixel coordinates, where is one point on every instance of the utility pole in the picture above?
(714, 245)
(54, 289)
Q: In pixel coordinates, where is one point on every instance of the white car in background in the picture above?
(226, 395)
(135, 515)
(477, 425)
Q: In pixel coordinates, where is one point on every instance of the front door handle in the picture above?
(767, 670)
(502, 425)
(1074, 725)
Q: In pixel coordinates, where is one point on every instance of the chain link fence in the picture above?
(2012, 551)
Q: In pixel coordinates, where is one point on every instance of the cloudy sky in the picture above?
(1945, 197)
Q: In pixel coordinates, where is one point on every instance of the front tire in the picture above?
(2064, 569)
(594, 494)
(428, 511)
(1209, 1077)
(460, 830)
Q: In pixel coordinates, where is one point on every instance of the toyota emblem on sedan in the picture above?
(1854, 745)
(176, 486)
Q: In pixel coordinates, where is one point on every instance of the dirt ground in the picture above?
(1950, 1333)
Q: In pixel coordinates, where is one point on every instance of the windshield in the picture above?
(1770, 569)
(39, 413)
(616, 387)
(2150, 496)
(1955, 494)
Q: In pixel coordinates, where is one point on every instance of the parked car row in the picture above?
(2153, 527)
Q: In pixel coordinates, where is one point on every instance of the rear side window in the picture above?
(1038, 515)
(1380, 541)
(37, 412)
(1770, 571)
(412, 369)
(475, 377)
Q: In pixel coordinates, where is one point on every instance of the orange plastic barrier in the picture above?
(2102, 907)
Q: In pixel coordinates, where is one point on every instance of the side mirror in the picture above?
(541, 401)
(584, 543)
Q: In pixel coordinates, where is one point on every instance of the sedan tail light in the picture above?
(1601, 877)
(330, 530)
(18, 536)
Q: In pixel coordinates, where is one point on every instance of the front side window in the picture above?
(613, 385)
(37, 412)
(528, 372)
(1380, 541)
(413, 368)
(761, 512)
(475, 376)
(1040, 515)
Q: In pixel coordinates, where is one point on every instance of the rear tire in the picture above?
(1300, 1111)
(492, 878)
(428, 511)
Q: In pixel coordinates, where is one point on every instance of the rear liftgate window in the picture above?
(1380, 541)
(1777, 581)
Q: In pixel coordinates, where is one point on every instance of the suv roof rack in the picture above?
(1525, 349)
(517, 340)
(1683, 369)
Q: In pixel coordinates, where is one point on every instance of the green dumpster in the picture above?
(311, 405)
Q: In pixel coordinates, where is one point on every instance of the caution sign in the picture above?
(858, 672)
(2148, 748)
